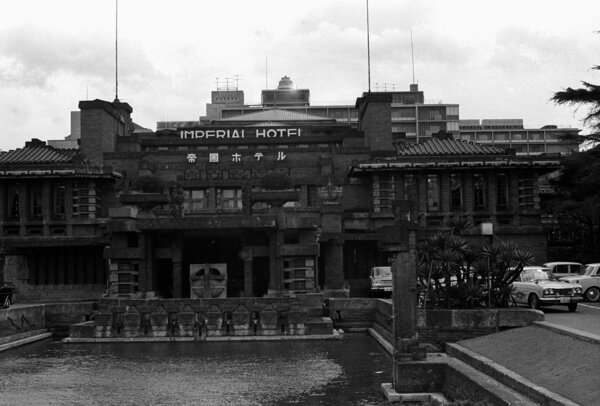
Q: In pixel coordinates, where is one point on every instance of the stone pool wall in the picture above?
(202, 318)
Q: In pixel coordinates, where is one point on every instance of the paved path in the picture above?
(558, 362)
(586, 318)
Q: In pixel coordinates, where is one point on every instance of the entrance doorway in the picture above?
(163, 277)
(260, 276)
(214, 250)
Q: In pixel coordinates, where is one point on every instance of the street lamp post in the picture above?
(488, 229)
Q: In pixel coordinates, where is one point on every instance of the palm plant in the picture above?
(453, 274)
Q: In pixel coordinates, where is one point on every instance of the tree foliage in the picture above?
(149, 183)
(576, 207)
(587, 96)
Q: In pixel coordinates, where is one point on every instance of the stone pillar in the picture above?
(333, 265)
(176, 274)
(177, 254)
(404, 297)
(492, 194)
(23, 207)
(468, 195)
(275, 262)
(47, 206)
(422, 193)
(146, 242)
(248, 292)
(514, 197)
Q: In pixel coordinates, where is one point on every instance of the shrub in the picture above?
(149, 184)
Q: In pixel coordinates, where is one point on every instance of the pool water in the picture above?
(339, 372)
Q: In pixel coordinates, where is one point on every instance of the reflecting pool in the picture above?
(338, 372)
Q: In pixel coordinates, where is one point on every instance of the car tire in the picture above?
(572, 307)
(592, 294)
(534, 302)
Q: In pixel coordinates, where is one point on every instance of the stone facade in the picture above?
(354, 199)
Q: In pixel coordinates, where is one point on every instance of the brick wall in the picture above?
(376, 121)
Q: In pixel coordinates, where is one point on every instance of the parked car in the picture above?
(536, 289)
(381, 281)
(589, 279)
(560, 269)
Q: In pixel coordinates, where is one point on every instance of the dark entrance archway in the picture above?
(216, 248)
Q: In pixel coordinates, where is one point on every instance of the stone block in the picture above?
(159, 317)
(518, 317)
(83, 330)
(466, 319)
(103, 331)
(319, 326)
(103, 319)
(419, 377)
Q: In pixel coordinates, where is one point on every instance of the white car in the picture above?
(535, 289)
(560, 269)
(589, 279)
(381, 280)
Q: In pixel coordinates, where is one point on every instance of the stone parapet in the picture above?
(204, 318)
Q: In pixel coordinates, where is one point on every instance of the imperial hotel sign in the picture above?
(209, 133)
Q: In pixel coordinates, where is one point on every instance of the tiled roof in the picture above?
(276, 115)
(437, 146)
(38, 154)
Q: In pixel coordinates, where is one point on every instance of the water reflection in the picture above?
(258, 373)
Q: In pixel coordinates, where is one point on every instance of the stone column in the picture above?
(492, 194)
(23, 207)
(404, 297)
(468, 195)
(145, 267)
(422, 193)
(275, 262)
(177, 254)
(445, 195)
(248, 292)
(47, 206)
(333, 265)
(177, 288)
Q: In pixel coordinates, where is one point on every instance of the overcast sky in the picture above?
(495, 59)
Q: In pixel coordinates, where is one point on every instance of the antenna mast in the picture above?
(266, 72)
(368, 48)
(412, 54)
(116, 50)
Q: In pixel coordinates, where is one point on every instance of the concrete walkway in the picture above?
(549, 363)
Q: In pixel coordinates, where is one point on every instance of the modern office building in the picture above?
(411, 119)
(549, 139)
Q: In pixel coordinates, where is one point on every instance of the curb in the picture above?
(507, 377)
(23, 341)
(578, 334)
(335, 336)
(387, 346)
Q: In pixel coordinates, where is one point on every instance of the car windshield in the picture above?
(534, 275)
(587, 270)
(382, 272)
